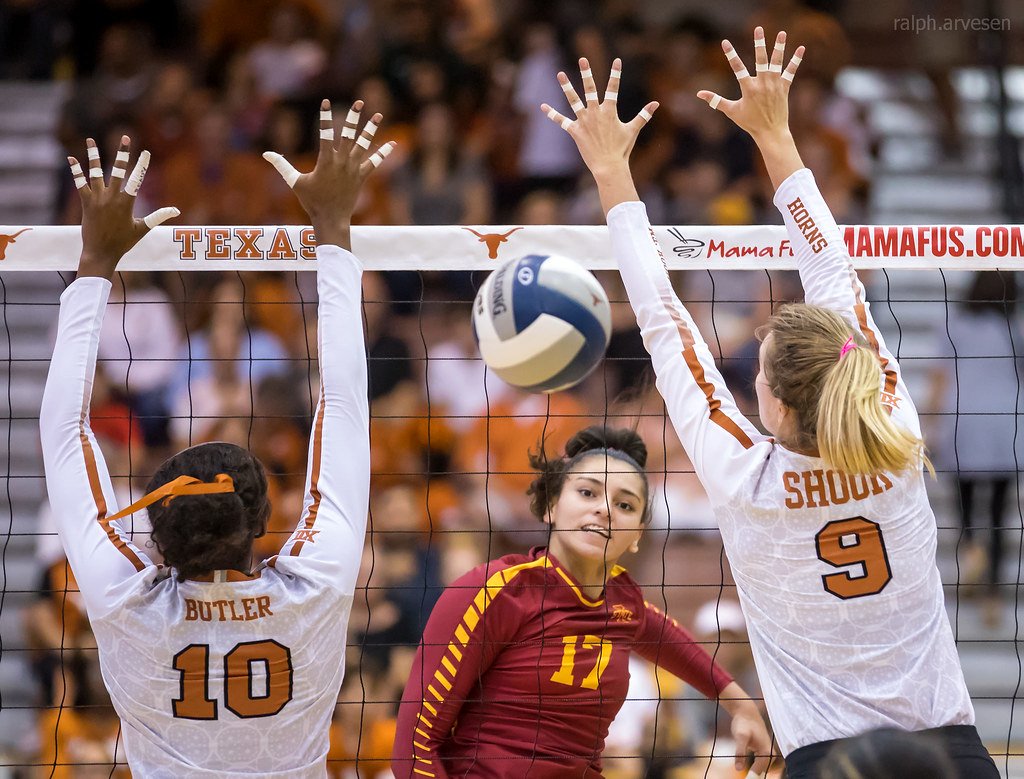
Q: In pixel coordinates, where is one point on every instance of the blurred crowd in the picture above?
(206, 86)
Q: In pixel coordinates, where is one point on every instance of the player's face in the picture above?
(599, 513)
(770, 408)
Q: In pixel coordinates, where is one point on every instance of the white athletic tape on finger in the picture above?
(118, 173)
(93, 152)
(791, 68)
(715, 101)
(367, 136)
(780, 45)
(80, 180)
(95, 173)
(138, 174)
(645, 115)
(591, 97)
(160, 216)
(378, 156)
(616, 73)
(122, 156)
(564, 122)
(288, 173)
(327, 135)
(610, 96)
(730, 54)
(588, 73)
(761, 67)
(788, 75)
(326, 116)
(363, 141)
(773, 68)
(742, 73)
(351, 120)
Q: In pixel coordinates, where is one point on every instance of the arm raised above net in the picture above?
(77, 482)
(826, 270)
(718, 439)
(328, 541)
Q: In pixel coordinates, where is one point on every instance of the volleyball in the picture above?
(542, 322)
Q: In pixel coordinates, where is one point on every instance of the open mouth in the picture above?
(600, 530)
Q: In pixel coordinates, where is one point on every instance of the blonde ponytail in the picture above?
(831, 379)
(855, 433)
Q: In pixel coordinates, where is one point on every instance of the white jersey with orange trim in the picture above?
(237, 675)
(836, 573)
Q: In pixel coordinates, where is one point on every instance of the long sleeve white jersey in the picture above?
(836, 572)
(237, 675)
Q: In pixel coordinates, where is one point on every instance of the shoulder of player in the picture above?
(504, 578)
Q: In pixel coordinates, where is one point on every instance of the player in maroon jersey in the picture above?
(524, 661)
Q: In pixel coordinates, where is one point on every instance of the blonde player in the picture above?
(216, 668)
(826, 523)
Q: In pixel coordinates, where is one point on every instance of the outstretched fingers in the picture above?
(760, 51)
(562, 121)
(645, 115)
(131, 186)
(738, 68)
(570, 93)
(778, 53)
(365, 139)
(95, 168)
(794, 63)
(282, 166)
(326, 127)
(716, 101)
(589, 85)
(611, 94)
(377, 158)
(81, 182)
(120, 168)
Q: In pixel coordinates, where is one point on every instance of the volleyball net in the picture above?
(211, 335)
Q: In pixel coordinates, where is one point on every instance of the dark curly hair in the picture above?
(197, 534)
(618, 442)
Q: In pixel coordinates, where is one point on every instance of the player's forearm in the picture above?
(781, 158)
(735, 700)
(73, 365)
(615, 185)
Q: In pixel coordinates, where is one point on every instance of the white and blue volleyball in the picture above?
(542, 322)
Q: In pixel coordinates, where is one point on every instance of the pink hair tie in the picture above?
(848, 346)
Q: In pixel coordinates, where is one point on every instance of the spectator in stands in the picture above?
(141, 365)
(286, 62)
(439, 184)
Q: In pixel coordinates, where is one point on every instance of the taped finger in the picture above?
(760, 51)
(369, 130)
(285, 168)
(611, 94)
(131, 187)
(351, 123)
(589, 85)
(738, 68)
(778, 54)
(562, 121)
(381, 154)
(95, 169)
(76, 170)
(794, 63)
(326, 125)
(120, 166)
(160, 216)
(570, 94)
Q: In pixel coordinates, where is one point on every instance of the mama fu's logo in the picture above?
(687, 248)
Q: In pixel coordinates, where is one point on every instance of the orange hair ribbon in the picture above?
(183, 485)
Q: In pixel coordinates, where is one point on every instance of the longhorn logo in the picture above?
(621, 614)
(493, 240)
(9, 239)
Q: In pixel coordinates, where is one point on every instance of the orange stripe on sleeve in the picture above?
(715, 412)
(93, 474)
(314, 470)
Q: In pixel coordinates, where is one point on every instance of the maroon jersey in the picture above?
(520, 674)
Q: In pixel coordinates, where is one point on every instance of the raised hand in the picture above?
(605, 142)
(763, 107)
(329, 192)
(109, 230)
